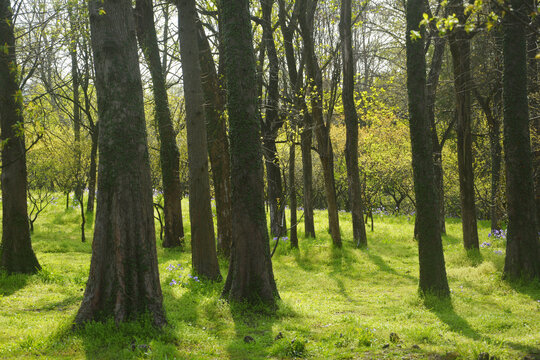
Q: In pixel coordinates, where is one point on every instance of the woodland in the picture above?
(250, 179)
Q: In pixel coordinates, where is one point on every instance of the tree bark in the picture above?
(522, 243)
(17, 255)
(124, 279)
(430, 251)
(168, 150)
(322, 130)
(250, 276)
(92, 172)
(431, 89)
(218, 143)
(351, 123)
(203, 244)
(460, 49)
(270, 126)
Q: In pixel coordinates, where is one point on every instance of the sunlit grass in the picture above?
(335, 303)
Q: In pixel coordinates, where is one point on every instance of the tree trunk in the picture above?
(270, 126)
(218, 143)
(322, 130)
(351, 122)
(292, 194)
(430, 251)
(203, 243)
(533, 83)
(92, 172)
(168, 151)
(431, 89)
(124, 279)
(296, 78)
(306, 139)
(17, 255)
(522, 244)
(250, 276)
(460, 49)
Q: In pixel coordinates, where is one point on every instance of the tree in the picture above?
(124, 279)
(17, 254)
(271, 123)
(169, 155)
(351, 121)
(522, 246)
(460, 48)
(300, 109)
(322, 128)
(218, 143)
(250, 276)
(203, 245)
(430, 252)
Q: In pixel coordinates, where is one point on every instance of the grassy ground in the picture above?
(335, 304)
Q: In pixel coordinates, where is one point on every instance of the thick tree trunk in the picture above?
(522, 244)
(203, 243)
(168, 151)
(533, 83)
(351, 122)
(430, 251)
(431, 89)
(460, 49)
(17, 255)
(124, 279)
(322, 130)
(250, 276)
(218, 143)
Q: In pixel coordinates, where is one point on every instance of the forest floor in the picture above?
(335, 303)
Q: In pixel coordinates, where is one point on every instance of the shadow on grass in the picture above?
(253, 331)
(10, 284)
(383, 266)
(475, 257)
(531, 288)
(444, 310)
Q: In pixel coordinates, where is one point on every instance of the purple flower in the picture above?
(173, 282)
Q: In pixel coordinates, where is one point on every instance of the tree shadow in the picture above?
(383, 266)
(444, 310)
(475, 257)
(253, 330)
(531, 288)
(11, 283)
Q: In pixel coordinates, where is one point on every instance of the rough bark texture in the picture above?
(168, 150)
(322, 130)
(270, 126)
(16, 250)
(431, 94)
(460, 48)
(250, 276)
(533, 83)
(124, 279)
(203, 243)
(522, 244)
(430, 251)
(218, 143)
(351, 122)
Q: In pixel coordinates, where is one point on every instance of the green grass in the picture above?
(335, 303)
